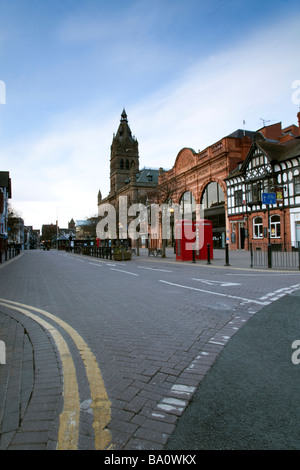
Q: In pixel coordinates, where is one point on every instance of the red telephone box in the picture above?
(186, 240)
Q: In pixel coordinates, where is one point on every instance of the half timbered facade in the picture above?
(270, 167)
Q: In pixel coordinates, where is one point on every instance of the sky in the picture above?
(187, 73)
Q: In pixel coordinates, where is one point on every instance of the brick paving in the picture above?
(30, 390)
(150, 380)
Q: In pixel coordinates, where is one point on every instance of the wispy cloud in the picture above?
(62, 168)
(250, 81)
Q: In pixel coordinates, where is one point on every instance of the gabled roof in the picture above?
(275, 152)
(281, 152)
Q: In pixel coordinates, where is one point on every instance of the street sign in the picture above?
(269, 198)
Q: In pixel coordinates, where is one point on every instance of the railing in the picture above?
(95, 251)
(275, 255)
(8, 254)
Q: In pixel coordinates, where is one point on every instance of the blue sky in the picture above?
(188, 73)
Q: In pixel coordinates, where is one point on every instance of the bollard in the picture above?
(226, 255)
(208, 253)
(194, 254)
(269, 255)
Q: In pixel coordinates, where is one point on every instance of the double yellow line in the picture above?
(69, 418)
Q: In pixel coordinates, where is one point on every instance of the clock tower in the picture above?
(124, 156)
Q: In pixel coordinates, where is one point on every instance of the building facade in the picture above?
(5, 195)
(128, 182)
(271, 166)
(199, 178)
(228, 178)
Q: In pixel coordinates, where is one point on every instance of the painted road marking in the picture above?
(216, 293)
(221, 283)
(69, 418)
(101, 405)
(280, 292)
(155, 269)
(125, 272)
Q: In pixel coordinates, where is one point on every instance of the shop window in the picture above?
(257, 227)
(275, 226)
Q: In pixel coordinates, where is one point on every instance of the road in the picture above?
(131, 341)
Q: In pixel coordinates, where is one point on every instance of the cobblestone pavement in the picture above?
(141, 336)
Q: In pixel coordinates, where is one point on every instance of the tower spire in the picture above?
(124, 116)
(124, 154)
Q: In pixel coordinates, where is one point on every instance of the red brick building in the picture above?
(228, 179)
(272, 165)
(199, 178)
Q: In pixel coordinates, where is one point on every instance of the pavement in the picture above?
(224, 413)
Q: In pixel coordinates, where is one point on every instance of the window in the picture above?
(188, 205)
(238, 197)
(213, 196)
(127, 165)
(254, 192)
(122, 164)
(297, 184)
(275, 226)
(257, 227)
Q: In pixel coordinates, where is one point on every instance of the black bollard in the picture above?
(226, 255)
(208, 253)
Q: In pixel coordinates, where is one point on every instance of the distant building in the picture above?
(67, 233)
(31, 238)
(49, 232)
(5, 195)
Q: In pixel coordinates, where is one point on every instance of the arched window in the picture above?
(275, 226)
(213, 196)
(257, 227)
(188, 205)
(122, 164)
(127, 165)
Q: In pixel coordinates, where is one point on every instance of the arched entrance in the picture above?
(188, 205)
(213, 204)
